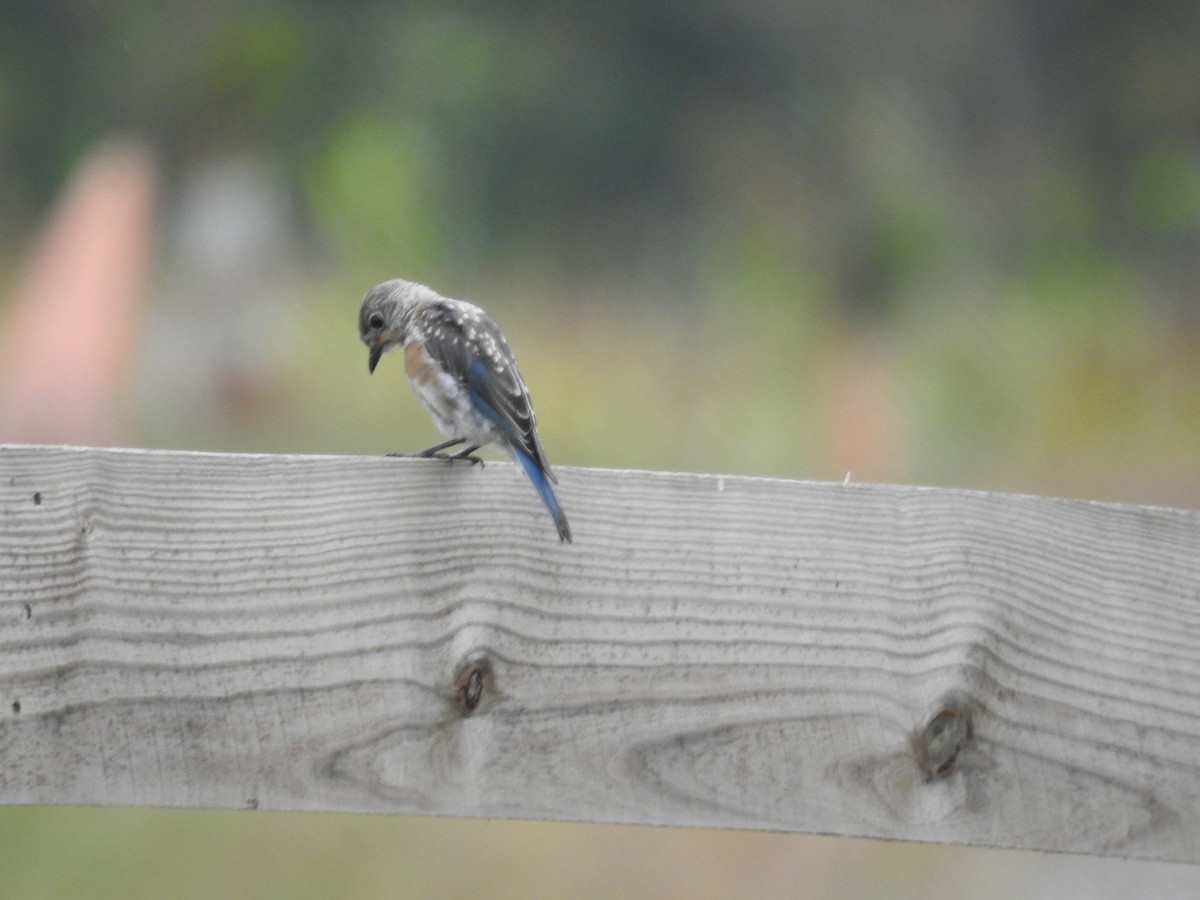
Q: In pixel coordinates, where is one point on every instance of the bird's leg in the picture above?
(469, 456)
(435, 450)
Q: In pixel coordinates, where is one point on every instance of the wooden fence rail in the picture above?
(332, 633)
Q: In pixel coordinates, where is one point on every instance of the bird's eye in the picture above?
(376, 320)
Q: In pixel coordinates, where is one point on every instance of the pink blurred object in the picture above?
(861, 423)
(66, 346)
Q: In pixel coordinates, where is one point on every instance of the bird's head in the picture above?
(384, 316)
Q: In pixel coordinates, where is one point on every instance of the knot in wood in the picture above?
(472, 684)
(936, 746)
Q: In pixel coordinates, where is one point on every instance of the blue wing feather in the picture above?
(533, 467)
(477, 385)
(489, 374)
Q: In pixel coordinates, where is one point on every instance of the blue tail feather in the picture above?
(533, 469)
(546, 492)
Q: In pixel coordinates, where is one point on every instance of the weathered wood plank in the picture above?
(299, 632)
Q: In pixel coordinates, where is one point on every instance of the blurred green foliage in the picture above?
(683, 213)
(857, 141)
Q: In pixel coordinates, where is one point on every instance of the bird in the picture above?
(462, 370)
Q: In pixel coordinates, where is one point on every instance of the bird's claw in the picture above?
(448, 457)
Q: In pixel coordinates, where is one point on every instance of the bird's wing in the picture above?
(469, 345)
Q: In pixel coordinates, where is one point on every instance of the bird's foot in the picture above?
(469, 455)
(434, 452)
(437, 452)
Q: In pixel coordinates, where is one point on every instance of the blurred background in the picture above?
(952, 243)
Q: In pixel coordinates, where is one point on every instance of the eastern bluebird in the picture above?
(462, 371)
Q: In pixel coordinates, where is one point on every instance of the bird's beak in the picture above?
(377, 349)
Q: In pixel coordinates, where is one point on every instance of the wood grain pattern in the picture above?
(388, 635)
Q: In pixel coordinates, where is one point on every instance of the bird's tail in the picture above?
(538, 476)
